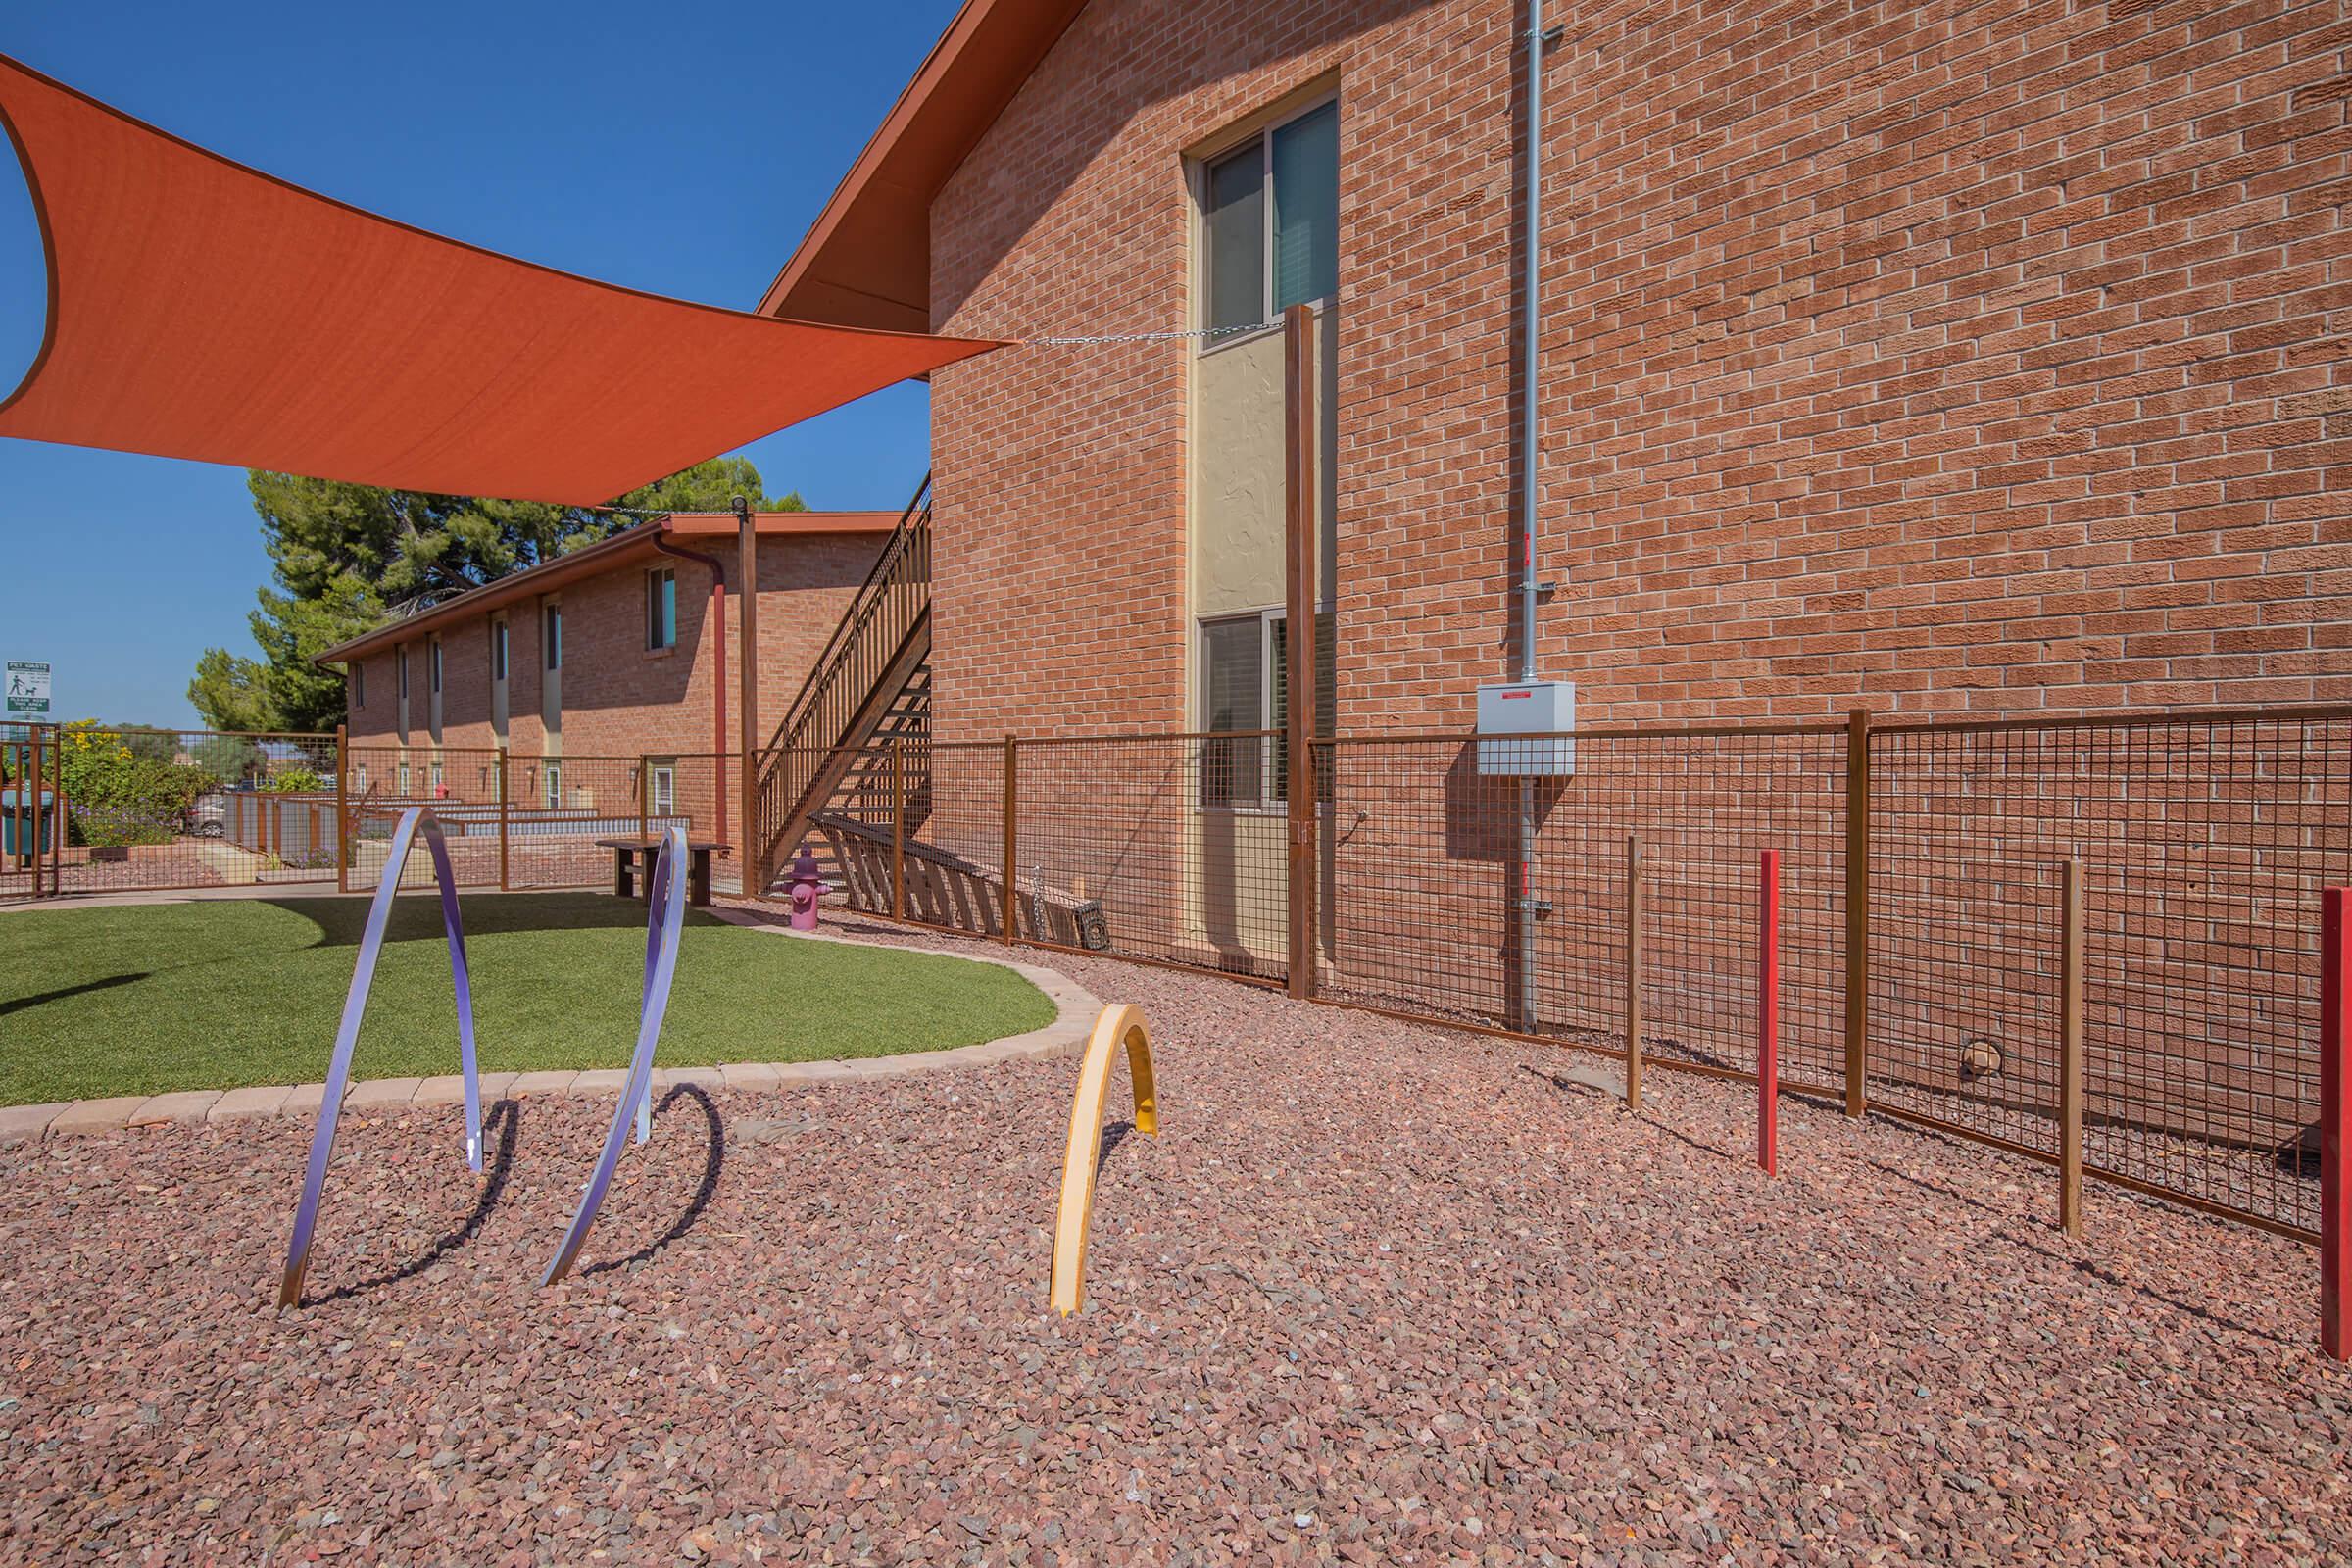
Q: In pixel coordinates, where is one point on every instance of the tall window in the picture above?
(662, 608)
(553, 639)
(359, 684)
(1245, 685)
(662, 787)
(1270, 216)
(498, 650)
(400, 664)
(433, 661)
(554, 785)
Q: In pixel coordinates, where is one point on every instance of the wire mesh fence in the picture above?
(1522, 900)
(2204, 843)
(1447, 882)
(95, 808)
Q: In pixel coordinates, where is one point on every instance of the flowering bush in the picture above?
(120, 793)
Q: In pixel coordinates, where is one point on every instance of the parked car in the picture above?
(208, 815)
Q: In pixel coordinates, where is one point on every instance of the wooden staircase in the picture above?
(871, 683)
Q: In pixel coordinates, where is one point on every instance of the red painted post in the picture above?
(2335, 1066)
(1768, 1013)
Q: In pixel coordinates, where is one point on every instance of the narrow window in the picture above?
(662, 608)
(437, 790)
(1270, 221)
(554, 637)
(359, 684)
(664, 790)
(400, 661)
(554, 786)
(1233, 688)
(1305, 160)
(404, 781)
(435, 665)
(1236, 237)
(498, 650)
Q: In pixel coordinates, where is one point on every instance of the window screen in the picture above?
(1306, 208)
(1236, 236)
(1233, 688)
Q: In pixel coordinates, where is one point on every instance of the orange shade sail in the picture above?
(199, 309)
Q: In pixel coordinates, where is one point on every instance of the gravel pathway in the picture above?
(1378, 1294)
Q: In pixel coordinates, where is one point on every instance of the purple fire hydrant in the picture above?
(807, 885)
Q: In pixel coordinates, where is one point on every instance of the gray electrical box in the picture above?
(1542, 714)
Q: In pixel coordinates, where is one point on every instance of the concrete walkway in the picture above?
(1065, 1036)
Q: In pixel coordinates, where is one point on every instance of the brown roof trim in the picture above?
(775, 525)
(867, 260)
(625, 547)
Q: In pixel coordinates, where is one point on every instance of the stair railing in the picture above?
(811, 742)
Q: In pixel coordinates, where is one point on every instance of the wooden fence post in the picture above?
(2070, 1048)
(1633, 973)
(1768, 1012)
(503, 813)
(1857, 910)
(2336, 1067)
(1012, 843)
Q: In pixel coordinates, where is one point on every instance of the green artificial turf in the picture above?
(219, 994)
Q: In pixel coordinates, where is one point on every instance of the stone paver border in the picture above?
(1065, 1036)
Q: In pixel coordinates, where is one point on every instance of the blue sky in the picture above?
(682, 149)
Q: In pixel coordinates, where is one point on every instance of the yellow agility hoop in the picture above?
(1120, 1022)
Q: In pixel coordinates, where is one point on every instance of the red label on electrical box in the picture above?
(1512, 696)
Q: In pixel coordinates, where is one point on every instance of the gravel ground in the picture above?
(1378, 1294)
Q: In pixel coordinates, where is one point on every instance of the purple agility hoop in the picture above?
(354, 1008)
(664, 921)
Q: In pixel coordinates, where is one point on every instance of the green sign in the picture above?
(27, 689)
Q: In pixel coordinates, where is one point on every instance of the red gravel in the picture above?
(1378, 1294)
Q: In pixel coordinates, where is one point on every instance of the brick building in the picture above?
(1940, 361)
(581, 666)
(1917, 359)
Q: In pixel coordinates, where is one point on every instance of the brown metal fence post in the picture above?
(343, 807)
(645, 793)
(502, 834)
(1013, 842)
(897, 829)
(2335, 1119)
(1633, 973)
(1303, 430)
(1857, 910)
(2070, 1049)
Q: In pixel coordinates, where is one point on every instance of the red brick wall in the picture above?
(1942, 357)
(621, 699)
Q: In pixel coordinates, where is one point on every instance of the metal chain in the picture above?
(1151, 337)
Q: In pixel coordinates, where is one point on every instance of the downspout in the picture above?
(1530, 588)
(721, 787)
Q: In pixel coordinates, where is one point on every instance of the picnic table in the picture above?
(630, 852)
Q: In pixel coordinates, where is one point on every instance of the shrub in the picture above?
(121, 793)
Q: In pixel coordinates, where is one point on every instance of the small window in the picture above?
(498, 650)
(554, 637)
(436, 777)
(400, 663)
(1270, 221)
(662, 608)
(662, 788)
(404, 781)
(1233, 692)
(359, 684)
(359, 778)
(554, 786)
(434, 664)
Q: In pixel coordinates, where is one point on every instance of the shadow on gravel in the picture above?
(1113, 1135)
(507, 1117)
(2082, 1265)
(714, 1157)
